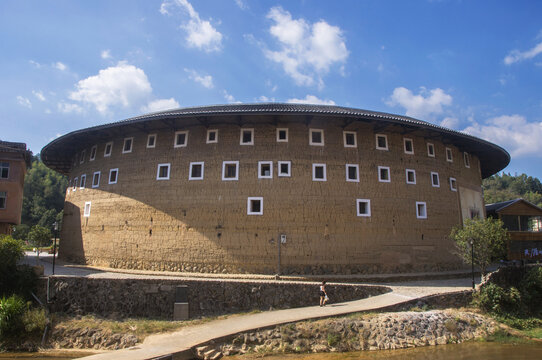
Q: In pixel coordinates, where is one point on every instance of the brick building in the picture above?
(248, 188)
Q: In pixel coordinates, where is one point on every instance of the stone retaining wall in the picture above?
(154, 298)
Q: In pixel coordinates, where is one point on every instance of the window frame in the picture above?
(75, 182)
(278, 133)
(251, 131)
(93, 151)
(431, 146)
(279, 168)
(380, 173)
(405, 141)
(83, 182)
(110, 144)
(195, 163)
(168, 166)
(260, 164)
(249, 203)
(175, 138)
(83, 155)
(466, 159)
(449, 152)
(5, 197)
(131, 139)
(94, 186)
(433, 174)
(321, 131)
(314, 166)
(231, 162)
(345, 136)
(366, 201)
(452, 182)
(207, 138)
(2, 167)
(152, 136)
(424, 207)
(356, 166)
(116, 170)
(86, 209)
(414, 175)
(378, 147)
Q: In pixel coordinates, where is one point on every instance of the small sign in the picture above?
(283, 239)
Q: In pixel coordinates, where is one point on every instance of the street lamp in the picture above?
(55, 226)
(472, 261)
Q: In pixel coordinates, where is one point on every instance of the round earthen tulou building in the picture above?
(267, 188)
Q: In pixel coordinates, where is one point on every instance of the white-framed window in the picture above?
(83, 181)
(212, 136)
(449, 155)
(93, 151)
(363, 207)
(108, 149)
(181, 139)
(384, 174)
(350, 139)
(96, 179)
(284, 168)
(282, 134)
(352, 172)
(151, 141)
(255, 206)
(430, 150)
(421, 210)
(247, 137)
(113, 176)
(408, 145)
(3, 199)
(453, 184)
(466, 159)
(196, 170)
(86, 211)
(410, 176)
(162, 171)
(381, 142)
(434, 179)
(316, 137)
(265, 169)
(319, 172)
(230, 170)
(75, 182)
(83, 155)
(128, 144)
(4, 170)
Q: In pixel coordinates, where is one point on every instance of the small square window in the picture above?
(86, 212)
(449, 155)
(284, 168)
(467, 160)
(4, 170)
(434, 179)
(350, 139)
(212, 136)
(83, 154)
(319, 172)
(430, 150)
(127, 147)
(75, 181)
(83, 181)
(247, 137)
(282, 135)
(3, 199)
(421, 210)
(352, 172)
(453, 184)
(409, 146)
(384, 174)
(255, 206)
(196, 171)
(410, 176)
(230, 170)
(108, 149)
(96, 179)
(265, 169)
(93, 151)
(363, 207)
(381, 142)
(316, 137)
(162, 173)
(113, 176)
(181, 139)
(151, 141)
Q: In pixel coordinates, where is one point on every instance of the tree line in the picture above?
(503, 187)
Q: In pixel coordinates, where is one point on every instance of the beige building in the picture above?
(14, 158)
(251, 188)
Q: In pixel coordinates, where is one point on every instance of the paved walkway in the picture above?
(180, 342)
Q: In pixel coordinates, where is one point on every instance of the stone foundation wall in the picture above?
(154, 298)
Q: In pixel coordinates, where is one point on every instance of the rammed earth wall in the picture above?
(154, 298)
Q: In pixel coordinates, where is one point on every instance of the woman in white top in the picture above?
(323, 294)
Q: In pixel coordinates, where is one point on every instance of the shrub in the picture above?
(11, 317)
(11, 251)
(34, 321)
(493, 298)
(531, 290)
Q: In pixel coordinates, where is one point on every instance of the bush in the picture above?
(495, 299)
(531, 289)
(35, 321)
(11, 317)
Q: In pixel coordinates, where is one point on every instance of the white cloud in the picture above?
(35, 63)
(205, 80)
(229, 98)
(68, 108)
(311, 99)
(517, 56)
(106, 54)
(160, 104)
(513, 132)
(307, 51)
(242, 5)
(450, 123)
(200, 33)
(264, 98)
(422, 105)
(123, 85)
(24, 102)
(38, 95)
(60, 66)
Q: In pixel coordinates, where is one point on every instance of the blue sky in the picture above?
(473, 66)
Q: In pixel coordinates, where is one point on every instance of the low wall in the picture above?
(154, 298)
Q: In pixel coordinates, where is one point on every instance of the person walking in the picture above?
(323, 294)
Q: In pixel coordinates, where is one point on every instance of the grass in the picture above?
(535, 333)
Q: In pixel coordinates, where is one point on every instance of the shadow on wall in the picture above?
(72, 249)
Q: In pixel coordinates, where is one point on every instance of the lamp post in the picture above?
(472, 261)
(55, 226)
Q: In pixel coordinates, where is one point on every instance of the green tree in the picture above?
(39, 236)
(13, 278)
(488, 237)
(20, 232)
(503, 187)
